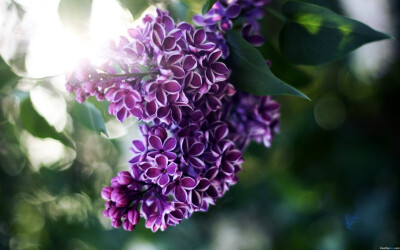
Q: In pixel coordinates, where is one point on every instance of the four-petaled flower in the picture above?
(161, 172)
(180, 187)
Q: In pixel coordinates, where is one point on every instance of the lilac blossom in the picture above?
(170, 75)
(219, 19)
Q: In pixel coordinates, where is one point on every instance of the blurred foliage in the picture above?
(314, 35)
(329, 181)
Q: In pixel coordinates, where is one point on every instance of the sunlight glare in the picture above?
(55, 50)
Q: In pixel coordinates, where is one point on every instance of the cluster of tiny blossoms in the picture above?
(220, 19)
(170, 76)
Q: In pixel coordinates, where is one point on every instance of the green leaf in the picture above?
(35, 124)
(250, 72)
(283, 69)
(207, 6)
(75, 14)
(7, 76)
(135, 7)
(314, 35)
(90, 117)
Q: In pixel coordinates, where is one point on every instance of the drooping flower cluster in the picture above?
(219, 19)
(170, 75)
(156, 72)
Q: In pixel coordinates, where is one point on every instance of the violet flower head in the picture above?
(255, 118)
(170, 76)
(220, 18)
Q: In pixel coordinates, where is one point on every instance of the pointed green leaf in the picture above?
(314, 35)
(250, 72)
(35, 124)
(135, 7)
(207, 6)
(283, 69)
(90, 117)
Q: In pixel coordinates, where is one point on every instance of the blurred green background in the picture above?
(329, 181)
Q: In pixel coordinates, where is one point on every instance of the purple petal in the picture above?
(144, 166)
(168, 189)
(176, 114)
(155, 142)
(138, 146)
(177, 214)
(210, 78)
(203, 184)
(199, 36)
(233, 11)
(151, 108)
(158, 34)
(211, 173)
(172, 168)
(196, 198)
(122, 114)
(137, 112)
(139, 48)
(246, 30)
(162, 161)
(176, 33)
(172, 87)
(153, 172)
(169, 43)
(187, 183)
(134, 33)
(168, 23)
(180, 194)
(214, 56)
(226, 167)
(163, 112)
(196, 115)
(221, 132)
(196, 149)
(272, 106)
(174, 59)
(233, 155)
(189, 63)
(196, 162)
(219, 68)
(255, 40)
(164, 179)
(207, 46)
(161, 97)
(177, 71)
(213, 103)
(170, 155)
(170, 144)
(118, 96)
(198, 20)
(129, 101)
(212, 191)
(195, 81)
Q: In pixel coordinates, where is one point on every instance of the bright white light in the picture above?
(54, 49)
(45, 152)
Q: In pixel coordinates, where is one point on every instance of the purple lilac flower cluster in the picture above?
(219, 19)
(170, 76)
